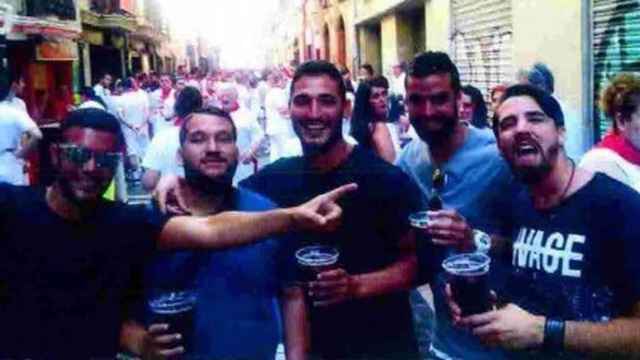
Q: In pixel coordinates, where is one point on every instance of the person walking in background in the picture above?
(618, 154)
(162, 154)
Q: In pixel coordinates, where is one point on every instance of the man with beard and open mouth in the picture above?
(476, 179)
(573, 289)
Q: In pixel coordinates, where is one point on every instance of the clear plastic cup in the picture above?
(468, 276)
(313, 260)
(175, 308)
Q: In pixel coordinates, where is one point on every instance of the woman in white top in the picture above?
(369, 123)
(618, 154)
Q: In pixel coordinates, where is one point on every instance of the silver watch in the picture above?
(482, 241)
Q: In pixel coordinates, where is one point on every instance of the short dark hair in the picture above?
(209, 110)
(546, 101)
(319, 68)
(369, 68)
(479, 116)
(96, 119)
(379, 81)
(188, 100)
(541, 76)
(434, 62)
(128, 83)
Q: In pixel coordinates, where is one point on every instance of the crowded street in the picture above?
(319, 179)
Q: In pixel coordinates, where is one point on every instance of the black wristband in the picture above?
(553, 334)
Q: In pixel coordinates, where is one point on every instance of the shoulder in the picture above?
(269, 175)
(416, 152)
(247, 200)
(377, 172)
(605, 190)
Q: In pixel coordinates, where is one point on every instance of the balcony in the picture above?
(62, 9)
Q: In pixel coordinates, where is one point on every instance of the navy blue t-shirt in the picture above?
(374, 218)
(237, 313)
(65, 286)
(580, 259)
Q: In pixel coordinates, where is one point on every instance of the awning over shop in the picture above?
(49, 28)
(111, 21)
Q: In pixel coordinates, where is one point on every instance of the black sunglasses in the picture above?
(79, 156)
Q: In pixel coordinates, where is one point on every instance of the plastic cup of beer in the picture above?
(468, 277)
(176, 308)
(315, 259)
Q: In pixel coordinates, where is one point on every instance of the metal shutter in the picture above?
(481, 40)
(616, 48)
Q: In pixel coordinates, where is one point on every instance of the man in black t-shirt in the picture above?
(70, 261)
(360, 310)
(574, 288)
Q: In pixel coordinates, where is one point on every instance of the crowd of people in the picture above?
(230, 159)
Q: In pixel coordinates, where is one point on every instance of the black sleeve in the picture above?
(148, 223)
(624, 226)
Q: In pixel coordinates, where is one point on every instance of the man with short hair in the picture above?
(70, 260)
(162, 102)
(16, 90)
(19, 138)
(102, 88)
(476, 178)
(250, 134)
(360, 310)
(573, 289)
(237, 315)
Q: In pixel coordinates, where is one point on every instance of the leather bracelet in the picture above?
(553, 334)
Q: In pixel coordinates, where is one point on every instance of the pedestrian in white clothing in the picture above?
(133, 113)
(162, 102)
(283, 141)
(249, 134)
(14, 125)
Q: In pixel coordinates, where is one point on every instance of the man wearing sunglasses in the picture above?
(70, 261)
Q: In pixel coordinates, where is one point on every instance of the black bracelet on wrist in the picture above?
(553, 334)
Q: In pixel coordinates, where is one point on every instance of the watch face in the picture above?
(481, 240)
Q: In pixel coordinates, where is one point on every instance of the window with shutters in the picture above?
(481, 42)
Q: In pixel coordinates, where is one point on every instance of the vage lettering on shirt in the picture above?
(533, 249)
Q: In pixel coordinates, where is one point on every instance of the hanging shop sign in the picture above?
(93, 37)
(57, 50)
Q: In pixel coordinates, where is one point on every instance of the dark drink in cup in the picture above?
(313, 260)
(177, 310)
(468, 277)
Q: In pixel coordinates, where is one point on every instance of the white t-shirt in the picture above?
(13, 123)
(17, 103)
(282, 139)
(90, 104)
(162, 153)
(610, 163)
(161, 110)
(249, 133)
(397, 85)
(133, 108)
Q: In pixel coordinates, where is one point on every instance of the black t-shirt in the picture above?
(65, 286)
(581, 259)
(374, 218)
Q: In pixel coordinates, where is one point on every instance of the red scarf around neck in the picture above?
(621, 146)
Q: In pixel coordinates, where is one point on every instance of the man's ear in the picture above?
(562, 135)
(620, 123)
